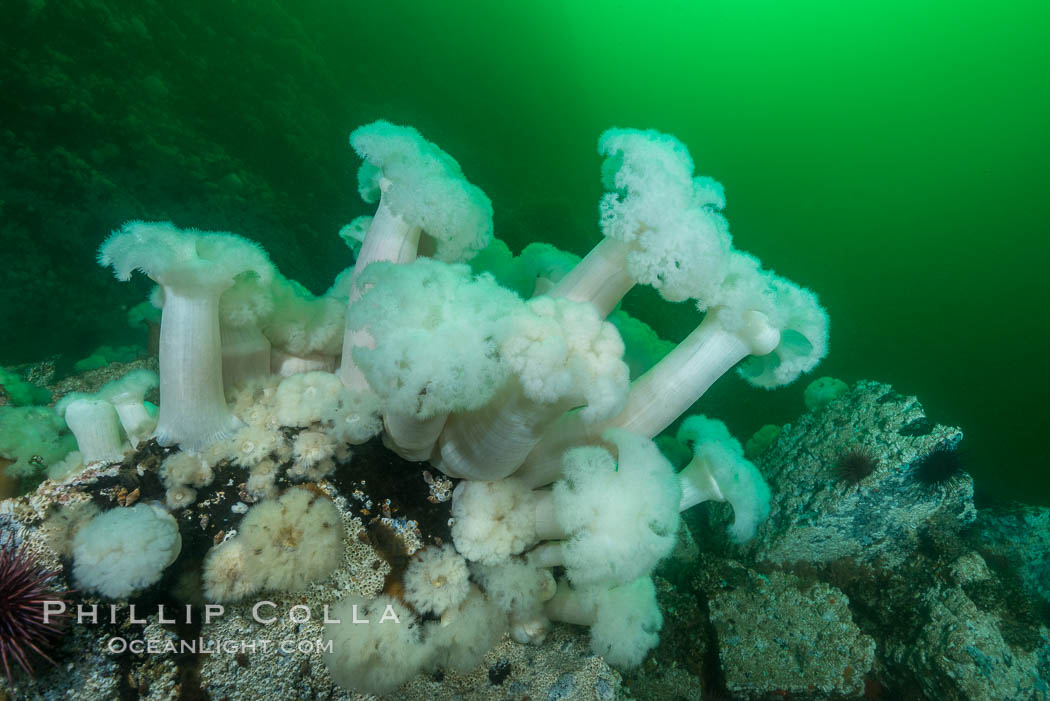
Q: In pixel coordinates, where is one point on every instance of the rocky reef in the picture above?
(884, 587)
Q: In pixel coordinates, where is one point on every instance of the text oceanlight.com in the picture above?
(204, 646)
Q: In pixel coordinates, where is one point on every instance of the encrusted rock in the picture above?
(960, 653)
(156, 675)
(818, 517)
(86, 671)
(561, 669)
(279, 660)
(686, 552)
(674, 670)
(1020, 535)
(779, 634)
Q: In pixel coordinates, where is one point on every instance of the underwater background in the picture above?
(894, 157)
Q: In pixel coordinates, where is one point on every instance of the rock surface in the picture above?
(777, 634)
(875, 589)
(562, 668)
(818, 517)
(960, 653)
(1020, 535)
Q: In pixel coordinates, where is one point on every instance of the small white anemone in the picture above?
(215, 453)
(185, 469)
(312, 453)
(261, 486)
(519, 589)
(436, 579)
(253, 444)
(378, 657)
(266, 467)
(493, 520)
(311, 473)
(311, 448)
(260, 416)
(287, 543)
(305, 398)
(355, 417)
(179, 497)
(516, 586)
(125, 550)
(343, 453)
(226, 572)
(255, 393)
(284, 451)
(465, 633)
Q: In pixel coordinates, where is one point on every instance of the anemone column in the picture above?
(600, 278)
(389, 239)
(193, 411)
(659, 396)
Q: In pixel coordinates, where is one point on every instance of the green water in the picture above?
(892, 156)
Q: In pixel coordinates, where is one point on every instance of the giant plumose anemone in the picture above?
(516, 375)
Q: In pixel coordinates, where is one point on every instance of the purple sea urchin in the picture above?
(941, 467)
(854, 464)
(24, 587)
